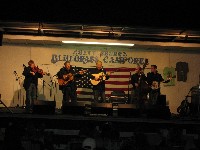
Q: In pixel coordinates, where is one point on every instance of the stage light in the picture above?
(98, 43)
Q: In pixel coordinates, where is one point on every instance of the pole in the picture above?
(129, 99)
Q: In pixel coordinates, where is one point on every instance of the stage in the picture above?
(75, 121)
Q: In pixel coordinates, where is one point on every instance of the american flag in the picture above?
(119, 81)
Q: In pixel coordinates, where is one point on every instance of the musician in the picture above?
(31, 74)
(154, 79)
(138, 79)
(99, 89)
(69, 89)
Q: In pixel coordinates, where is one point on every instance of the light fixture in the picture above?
(97, 43)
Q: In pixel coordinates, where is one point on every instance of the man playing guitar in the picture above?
(99, 74)
(66, 79)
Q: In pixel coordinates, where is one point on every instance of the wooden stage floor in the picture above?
(70, 121)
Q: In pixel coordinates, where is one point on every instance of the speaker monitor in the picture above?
(161, 112)
(102, 108)
(44, 107)
(195, 103)
(73, 108)
(128, 110)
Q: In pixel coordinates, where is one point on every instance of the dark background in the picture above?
(145, 13)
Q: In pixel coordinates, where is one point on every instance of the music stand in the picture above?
(1, 102)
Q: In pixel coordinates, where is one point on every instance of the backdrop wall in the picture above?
(51, 59)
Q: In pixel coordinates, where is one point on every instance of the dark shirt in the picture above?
(101, 85)
(30, 78)
(154, 77)
(182, 70)
(64, 71)
(137, 78)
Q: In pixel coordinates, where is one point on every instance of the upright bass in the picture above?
(143, 85)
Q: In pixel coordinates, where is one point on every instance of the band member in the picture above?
(154, 79)
(98, 74)
(68, 87)
(138, 80)
(31, 74)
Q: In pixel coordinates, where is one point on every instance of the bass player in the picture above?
(67, 84)
(99, 75)
(138, 94)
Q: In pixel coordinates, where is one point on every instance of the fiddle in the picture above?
(38, 70)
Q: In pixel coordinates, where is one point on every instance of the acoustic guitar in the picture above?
(101, 77)
(66, 79)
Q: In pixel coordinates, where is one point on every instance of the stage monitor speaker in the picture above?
(160, 112)
(161, 101)
(74, 108)
(195, 103)
(102, 109)
(44, 107)
(128, 110)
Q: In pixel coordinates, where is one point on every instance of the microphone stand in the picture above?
(129, 88)
(18, 90)
(43, 85)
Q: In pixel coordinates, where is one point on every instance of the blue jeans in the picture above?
(68, 93)
(101, 94)
(31, 94)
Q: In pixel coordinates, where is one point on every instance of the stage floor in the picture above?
(59, 120)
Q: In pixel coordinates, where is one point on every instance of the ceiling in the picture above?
(100, 32)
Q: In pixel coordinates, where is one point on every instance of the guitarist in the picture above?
(153, 77)
(99, 89)
(138, 94)
(68, 89)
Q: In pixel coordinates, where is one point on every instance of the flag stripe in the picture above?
(115, 86)
(116, 89)
(119, 76)
(118, 79)
(120, 69)
(121, 73)
(117, 82)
